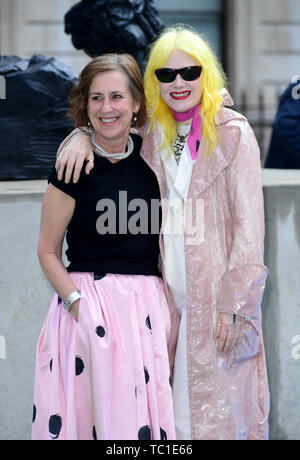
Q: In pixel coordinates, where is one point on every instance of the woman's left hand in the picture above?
(229, 330)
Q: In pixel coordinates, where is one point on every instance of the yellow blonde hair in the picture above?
(212, 81)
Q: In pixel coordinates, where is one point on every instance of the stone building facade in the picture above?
(262, 57)
(258, 42)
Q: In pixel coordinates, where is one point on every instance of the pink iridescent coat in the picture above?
(228, 396)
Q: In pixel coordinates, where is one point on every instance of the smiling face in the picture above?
(110, 109)
(181, 95)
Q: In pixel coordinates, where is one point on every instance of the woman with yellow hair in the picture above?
(207, 163)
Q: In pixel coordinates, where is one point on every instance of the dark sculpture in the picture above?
(33, 115)
(34, 92)
(105, 26)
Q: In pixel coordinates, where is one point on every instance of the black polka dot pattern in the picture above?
(163, 435)
(144, 433)
(197, 145)
(33, 414)
(100, 331)
(94, 433)
(79, 365)
(55, 424)
(99, 276)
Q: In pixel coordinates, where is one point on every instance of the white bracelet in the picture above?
(71, 299)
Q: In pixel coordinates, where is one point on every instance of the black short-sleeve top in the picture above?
(117, 217)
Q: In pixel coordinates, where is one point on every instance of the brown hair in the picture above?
(121, 62)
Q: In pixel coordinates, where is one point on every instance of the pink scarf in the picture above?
(196, 128)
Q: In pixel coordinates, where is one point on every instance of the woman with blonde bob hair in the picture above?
(207, 163)
(212, 82)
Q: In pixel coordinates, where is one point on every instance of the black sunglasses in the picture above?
(166, 75)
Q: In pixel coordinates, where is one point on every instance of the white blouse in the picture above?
(178, 181)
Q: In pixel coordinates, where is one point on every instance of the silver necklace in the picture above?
(103, 153)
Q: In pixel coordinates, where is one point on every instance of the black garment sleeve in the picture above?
(70, 188)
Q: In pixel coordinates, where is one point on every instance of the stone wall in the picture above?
(263, 45)
(37, 27)
(262, 48)
(25, 295)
